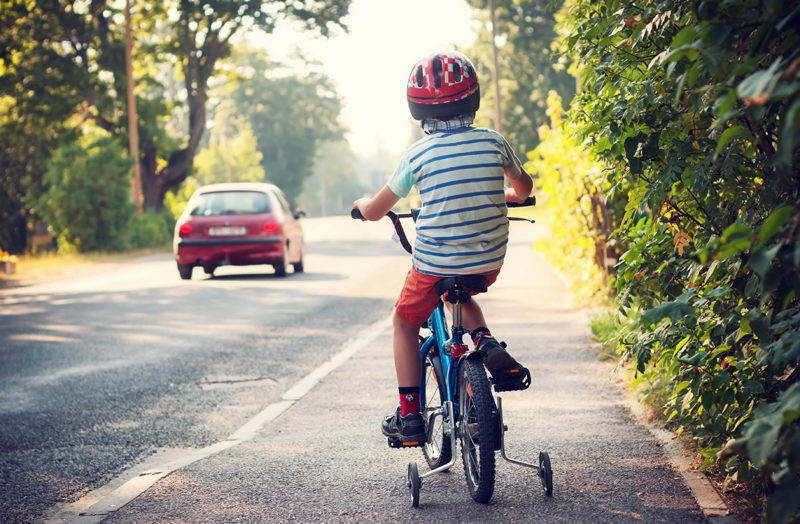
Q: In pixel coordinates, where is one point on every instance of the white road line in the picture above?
(98, 504)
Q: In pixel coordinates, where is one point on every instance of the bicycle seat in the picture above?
(457, 289)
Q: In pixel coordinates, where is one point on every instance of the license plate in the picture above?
(226, 231)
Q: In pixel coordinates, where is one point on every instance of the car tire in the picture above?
(298, 266)
(185, 271)
(280, 267)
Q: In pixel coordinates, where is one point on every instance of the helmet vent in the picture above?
(456, 72)
(420, 76)
(437, 71)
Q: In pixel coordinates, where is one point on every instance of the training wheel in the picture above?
(545, 473)
(413, 483)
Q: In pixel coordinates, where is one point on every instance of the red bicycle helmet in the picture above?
(443, 85)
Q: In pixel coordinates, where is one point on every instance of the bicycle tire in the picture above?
(438, 449)
(477, 429)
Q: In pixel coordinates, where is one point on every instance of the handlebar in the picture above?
(530, 201)
(401, 233)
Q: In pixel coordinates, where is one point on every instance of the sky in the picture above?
(370, 64)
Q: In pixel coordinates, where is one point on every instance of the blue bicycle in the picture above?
(456, 394)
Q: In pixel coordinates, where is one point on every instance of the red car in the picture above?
(238, 224)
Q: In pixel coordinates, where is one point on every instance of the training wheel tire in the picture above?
(546, 473)
(414, 483)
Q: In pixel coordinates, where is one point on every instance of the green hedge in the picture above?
(696, 108)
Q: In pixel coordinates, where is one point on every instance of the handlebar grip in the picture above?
(356, 213)
(530, 201)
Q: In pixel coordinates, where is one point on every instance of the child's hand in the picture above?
(513, 197)
(376, 207)
(357, 205)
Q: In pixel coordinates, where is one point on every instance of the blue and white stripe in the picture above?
(462, 226)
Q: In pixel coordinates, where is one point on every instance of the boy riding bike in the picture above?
(461, 228)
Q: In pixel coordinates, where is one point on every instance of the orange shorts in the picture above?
(418, 298)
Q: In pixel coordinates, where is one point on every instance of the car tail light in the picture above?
(270, 227)
(186, 228)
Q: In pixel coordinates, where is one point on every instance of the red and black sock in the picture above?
(409, 400)
(477, 333)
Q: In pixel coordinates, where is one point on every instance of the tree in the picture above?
(528, 67)
(87, 201)
(290, 117)
(201, 37)
(39, 93)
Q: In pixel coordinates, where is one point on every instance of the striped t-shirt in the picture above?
(462, 226)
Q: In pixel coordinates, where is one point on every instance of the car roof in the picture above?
(239, 186)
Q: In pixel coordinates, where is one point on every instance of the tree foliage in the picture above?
(290, 115)
(696, 106)
(333, 185)
(571, 189)
(87, 200)
(528, 66)
(62, 64)
(231, 155)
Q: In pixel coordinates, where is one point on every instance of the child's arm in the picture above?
(520, 188)
(376, 207)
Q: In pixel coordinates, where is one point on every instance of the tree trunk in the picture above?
(155, 184)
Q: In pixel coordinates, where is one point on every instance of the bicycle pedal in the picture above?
(396, 443)
(517, 380)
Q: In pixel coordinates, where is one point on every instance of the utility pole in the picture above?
(498, 115)
(133, 127)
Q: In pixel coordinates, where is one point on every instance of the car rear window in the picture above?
(230, 203)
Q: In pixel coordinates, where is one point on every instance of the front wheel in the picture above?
(438, 449)
(477, 429)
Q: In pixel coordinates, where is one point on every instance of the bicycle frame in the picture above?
(439, 341)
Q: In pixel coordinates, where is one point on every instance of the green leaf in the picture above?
(760, 260)
(783, 503)
(789, 128)
(726, 137)
(772, 224)
(684, 36)
(754, 387)
(761, 438)
(760, 328)
(674, 310)
(735, 239)
(761, 82)
(717, 292)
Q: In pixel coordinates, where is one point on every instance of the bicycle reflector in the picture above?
(458, 350)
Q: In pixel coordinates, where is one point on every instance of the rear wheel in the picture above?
(298, 266)
(437, 450)
(477, 429)
(280, 267)
(185, 271)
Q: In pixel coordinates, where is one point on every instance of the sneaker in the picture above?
(410, 428)
(507, 373)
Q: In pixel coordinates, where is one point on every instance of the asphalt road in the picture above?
(127, 375)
